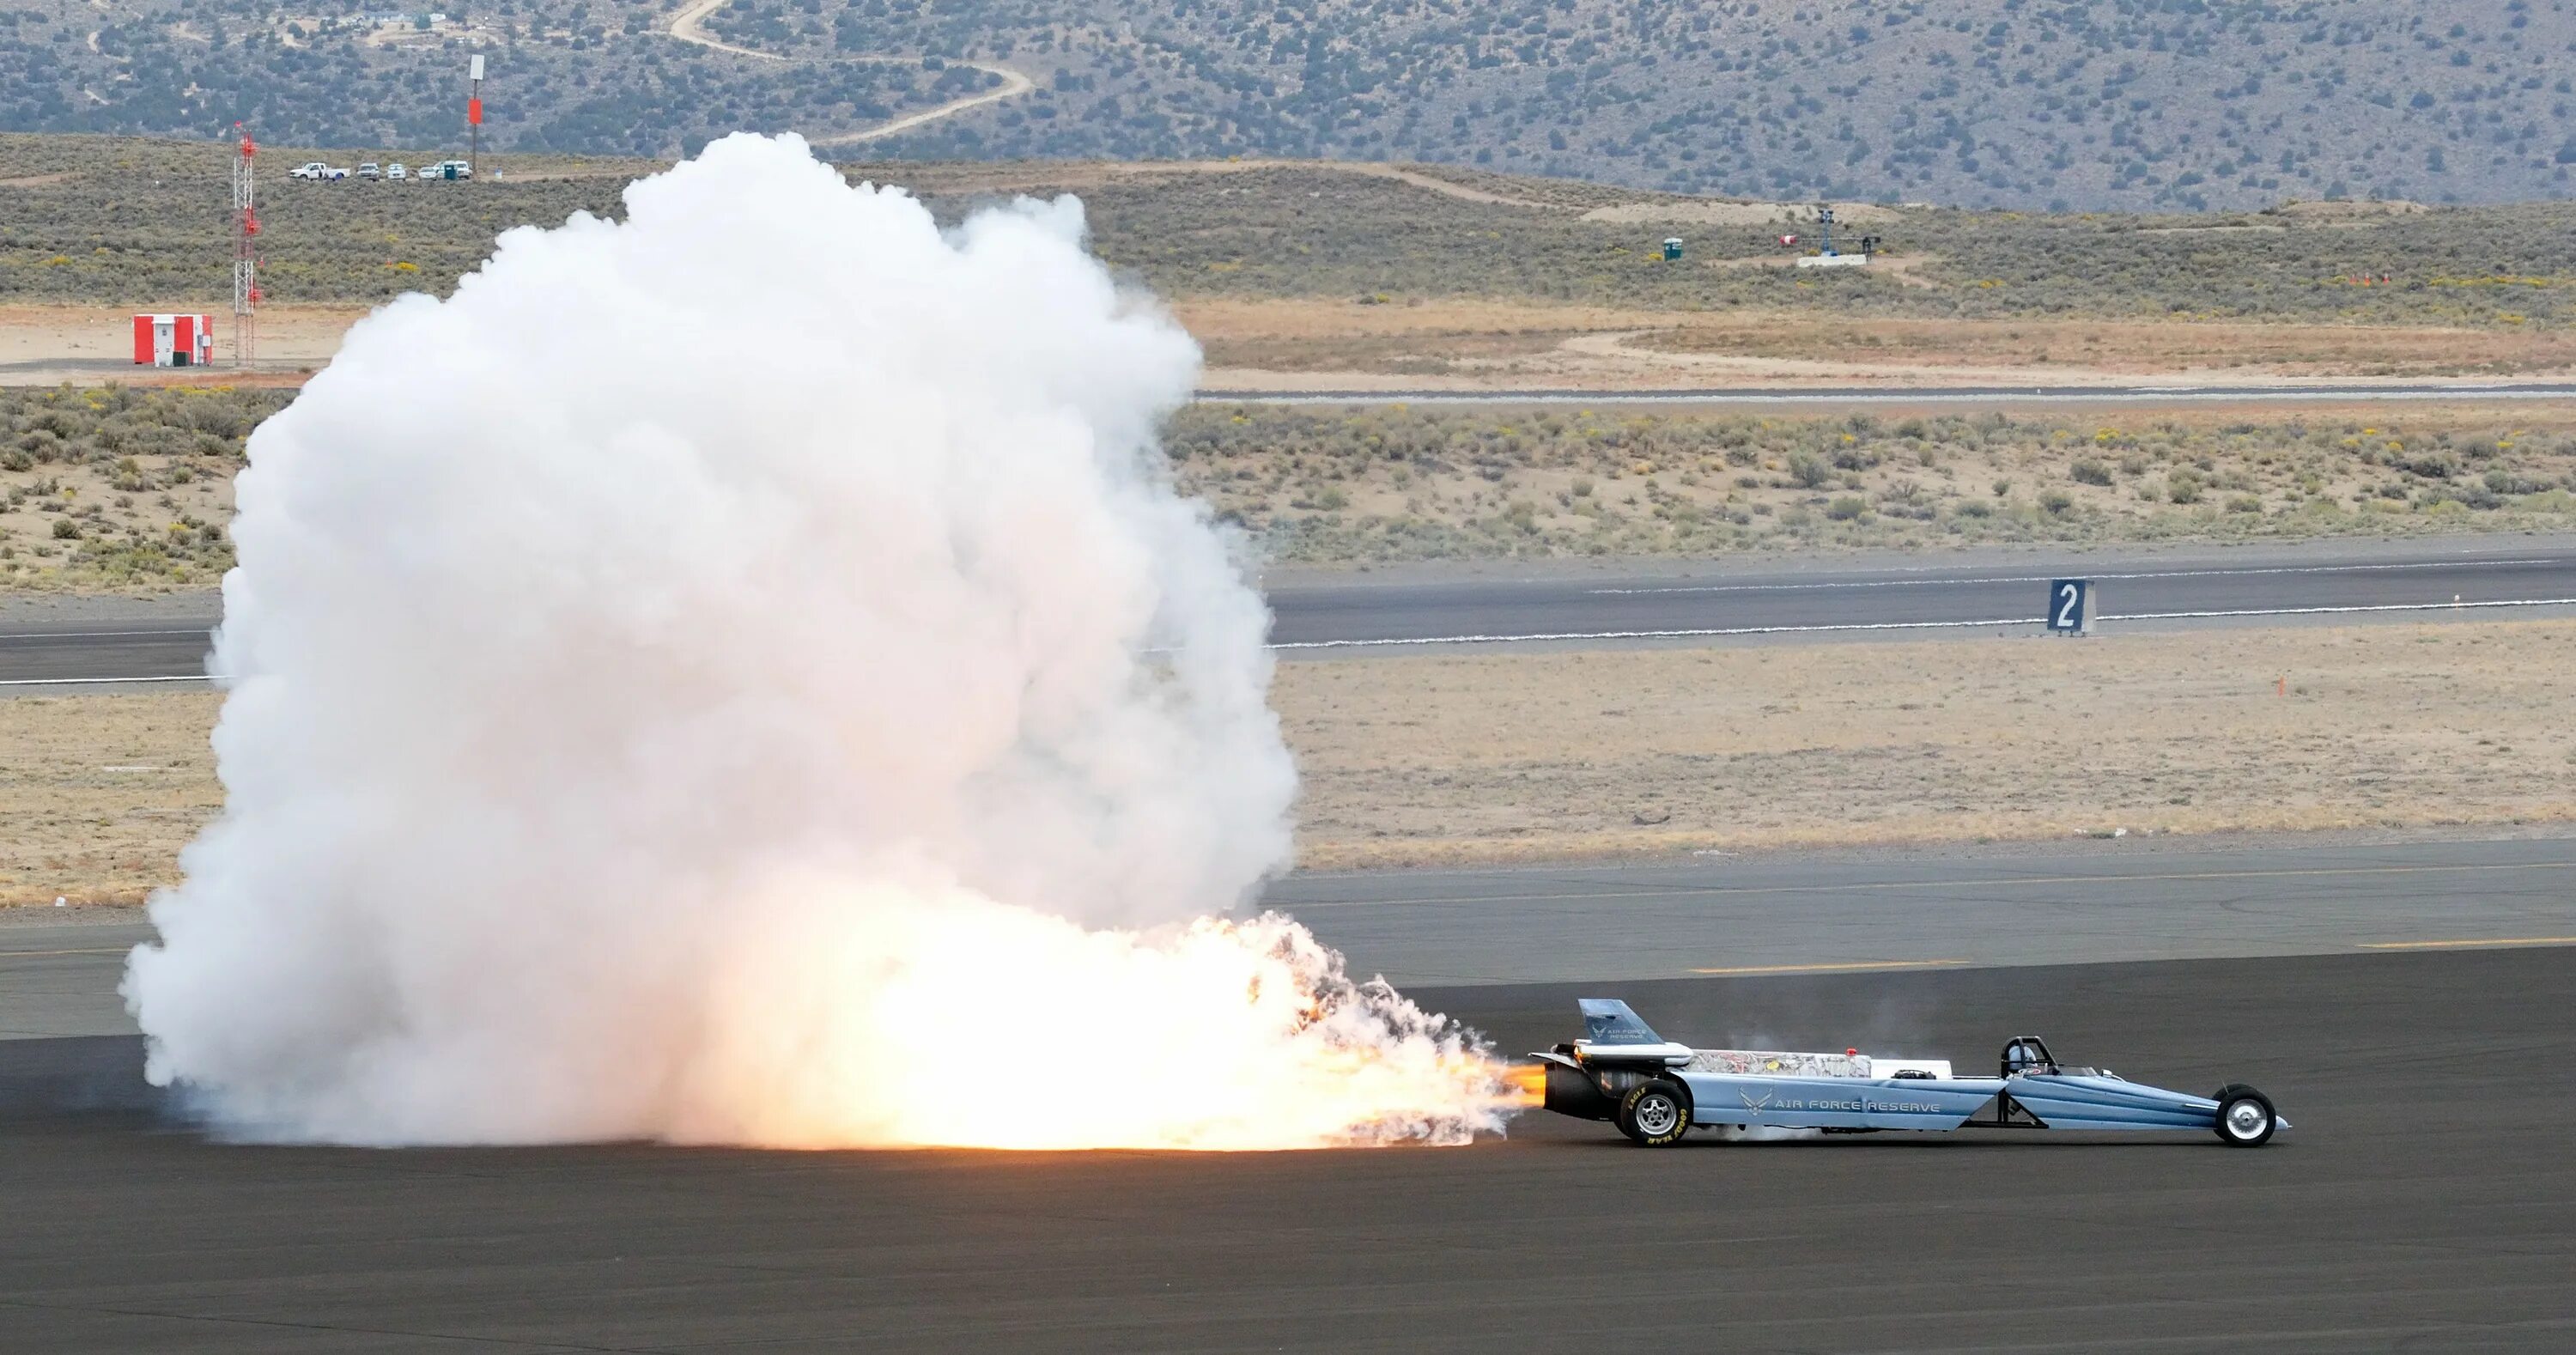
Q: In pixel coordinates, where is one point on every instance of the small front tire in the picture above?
(2245, 1116)
(1654, 1114)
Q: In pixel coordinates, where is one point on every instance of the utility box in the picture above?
(1673, 248)
(174, 341)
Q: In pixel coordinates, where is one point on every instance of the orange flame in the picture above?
(1524, 1086)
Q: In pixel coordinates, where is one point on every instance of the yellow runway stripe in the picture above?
(1874, 886)
(1845, 966)
(2472, 943)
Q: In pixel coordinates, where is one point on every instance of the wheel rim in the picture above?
(1656, 1115)
(2245, 1119)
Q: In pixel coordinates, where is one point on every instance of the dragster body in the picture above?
(1655, 1090)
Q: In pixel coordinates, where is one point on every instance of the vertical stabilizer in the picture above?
(1607, 1020)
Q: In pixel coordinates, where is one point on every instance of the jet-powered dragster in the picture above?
(1655, 1090)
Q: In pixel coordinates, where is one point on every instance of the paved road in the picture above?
(2127, 900)
(2488, 579)
(1833, 396)
(2423, 1202)
(2417, 581)
(2101, 901)
(37, 653)
(46, 371)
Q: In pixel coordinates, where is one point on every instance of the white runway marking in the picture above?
(2472, 944)
(2049, 578)
(98, 634)
(1720, 632)
(1694, 633)
(2049, 395)
(1712, 631)
(94, 681)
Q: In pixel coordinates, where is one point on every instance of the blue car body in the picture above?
(1618, 1072)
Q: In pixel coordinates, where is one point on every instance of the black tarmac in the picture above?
(2425, 1200)
(2330, 582)
(1720, 399)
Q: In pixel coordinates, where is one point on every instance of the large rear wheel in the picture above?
(1654, 1113)
(2245, 1117)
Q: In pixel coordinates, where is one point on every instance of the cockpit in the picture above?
(2027, 1056)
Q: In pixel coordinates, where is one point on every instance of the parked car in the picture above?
(315, 169)
(395, 173)
(367, 170)
(448, 169)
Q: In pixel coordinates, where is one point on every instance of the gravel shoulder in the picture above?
(1497, 758)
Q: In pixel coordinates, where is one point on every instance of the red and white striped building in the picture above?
(174, 340)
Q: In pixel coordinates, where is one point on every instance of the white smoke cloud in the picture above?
(742, 675)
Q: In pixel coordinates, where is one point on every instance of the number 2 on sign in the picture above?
(2067, 596)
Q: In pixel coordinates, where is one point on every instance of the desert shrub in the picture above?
(1848, 508)
(2091, 472)
(1809, 470)
(2056, 501)
(2429, 465)
(2510, 482)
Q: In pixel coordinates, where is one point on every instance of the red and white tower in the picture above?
(474, 114)
(245, 255)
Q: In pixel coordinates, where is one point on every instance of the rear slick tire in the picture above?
(1654, 1114)
(2245, 1116)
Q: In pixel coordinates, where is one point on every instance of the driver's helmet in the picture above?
(2019, 1055)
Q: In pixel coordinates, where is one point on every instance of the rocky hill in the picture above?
(2036, 104)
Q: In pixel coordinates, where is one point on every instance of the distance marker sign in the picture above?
(2070, 606)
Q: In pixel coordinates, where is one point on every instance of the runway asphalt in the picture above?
(2435, 580)
(2416, 580)
(2126, 900)
(2421, 1203)
(1833, 397)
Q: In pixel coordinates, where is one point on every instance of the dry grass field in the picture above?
(1339, 487)
(1466, 343)
(100, 793)
(1288, 344)
(118, 488)
(1499, 757)
(121, 488)
(113, 221)
(1463, 758)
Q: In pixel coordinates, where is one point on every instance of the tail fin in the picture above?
(1607, 1020)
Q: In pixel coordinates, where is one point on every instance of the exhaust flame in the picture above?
(742, 675)
(1524, 1086)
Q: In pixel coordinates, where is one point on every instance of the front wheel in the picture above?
(1654, 1114)
(2245, 1117)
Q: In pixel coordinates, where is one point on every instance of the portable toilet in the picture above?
(174, 340)
(1673, 248)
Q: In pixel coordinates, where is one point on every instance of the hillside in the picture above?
(564, 77)
(2132, 104)
(112, 221)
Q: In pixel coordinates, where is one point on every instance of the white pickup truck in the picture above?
(315, 169)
